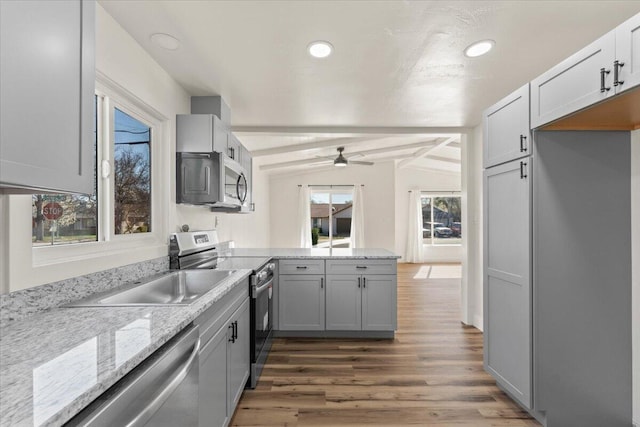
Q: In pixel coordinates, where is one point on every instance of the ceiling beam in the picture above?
(351, 130)
(335, 142)
(425, 152)
(295, 163)
(348, 155)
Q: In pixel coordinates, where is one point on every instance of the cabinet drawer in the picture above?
(355, 266)
(301, 266)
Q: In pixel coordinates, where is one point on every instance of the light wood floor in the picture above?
(430, 374)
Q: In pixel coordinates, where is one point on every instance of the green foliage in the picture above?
(315, 232)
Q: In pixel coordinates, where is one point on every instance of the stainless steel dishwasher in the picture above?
(161, 392)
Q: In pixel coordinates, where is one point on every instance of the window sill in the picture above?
(120, 247)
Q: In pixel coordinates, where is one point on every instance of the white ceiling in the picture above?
(396, 64)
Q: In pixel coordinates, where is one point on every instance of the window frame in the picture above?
(432, 195)
(111, 95)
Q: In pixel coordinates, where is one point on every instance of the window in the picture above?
(441, 220)
(132, 175)
(331, 218)
(67, 218)
(121, 203)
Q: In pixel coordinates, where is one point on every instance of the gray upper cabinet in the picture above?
(200, 133)
(234, 148)
(507, 277)
(47, 97)
(506, 129)
(577, 82)
(628, 54)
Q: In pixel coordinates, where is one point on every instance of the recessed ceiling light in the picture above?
(320, 49)
(479, 48)
(165, 41)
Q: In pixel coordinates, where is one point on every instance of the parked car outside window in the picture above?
(456, 229)
(439, 230)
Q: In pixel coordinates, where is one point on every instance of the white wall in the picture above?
(474, 234)
(635, 269)
(409, 178)
(378, 195)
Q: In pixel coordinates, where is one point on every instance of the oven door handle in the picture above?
(255, 291)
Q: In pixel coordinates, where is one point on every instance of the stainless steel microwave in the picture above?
(211, 179)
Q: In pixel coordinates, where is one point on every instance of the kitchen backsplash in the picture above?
(20, 304)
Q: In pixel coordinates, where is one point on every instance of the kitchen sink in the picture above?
(175, 288)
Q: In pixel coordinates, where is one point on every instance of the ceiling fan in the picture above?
(341, 161)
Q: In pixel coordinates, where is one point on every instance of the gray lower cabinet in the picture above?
(239, 355)
(47, 97)
(361, 302)
(507, 277)
(224, 358)
(212, 405)
(301, 305)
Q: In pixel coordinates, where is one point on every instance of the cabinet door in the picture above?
(212, 399)
(200, 133)
(628, 53)
(344, 303)
(221, 136)
(239, 357)
(301, 302)
(506, 129)
(47, 76)
(234, 148)
(379, 302)
(507, 283)
(575, 83)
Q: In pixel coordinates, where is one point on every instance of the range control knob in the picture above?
(262, 275)
(272, 266)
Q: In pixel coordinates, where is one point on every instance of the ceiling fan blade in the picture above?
(355, 162)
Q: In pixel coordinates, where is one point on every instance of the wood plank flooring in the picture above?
(430, 375)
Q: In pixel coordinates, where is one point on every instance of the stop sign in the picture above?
(52, 211)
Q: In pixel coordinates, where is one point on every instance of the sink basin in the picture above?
(175, 288)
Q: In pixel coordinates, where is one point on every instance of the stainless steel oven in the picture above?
(261, 319)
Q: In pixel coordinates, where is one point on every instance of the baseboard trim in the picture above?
(335, 334)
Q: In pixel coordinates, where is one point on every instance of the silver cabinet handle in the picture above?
(144, 415)
(603, 87)
(617, 65)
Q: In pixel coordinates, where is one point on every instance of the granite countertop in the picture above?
(311, 253)
(55, 363)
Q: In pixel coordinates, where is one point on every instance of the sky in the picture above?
(337, 198)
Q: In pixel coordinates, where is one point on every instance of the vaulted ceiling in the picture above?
(397, 76)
